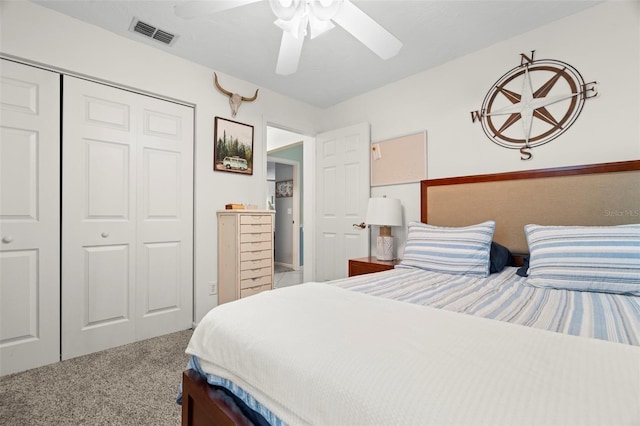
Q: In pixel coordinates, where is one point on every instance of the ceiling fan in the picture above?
(295, 16)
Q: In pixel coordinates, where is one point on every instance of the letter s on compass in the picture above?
(533, 104)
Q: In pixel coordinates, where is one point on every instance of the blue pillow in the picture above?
(450, 250)
(500, 256)
(523, 271)
(589, 258)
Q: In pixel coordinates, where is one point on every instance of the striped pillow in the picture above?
(589, 258)
(460, 250)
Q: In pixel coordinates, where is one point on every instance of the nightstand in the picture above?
(368, 265)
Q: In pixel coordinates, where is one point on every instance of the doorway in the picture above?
(285, 196)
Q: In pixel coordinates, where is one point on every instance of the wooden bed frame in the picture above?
(597, 194)
(203, 404)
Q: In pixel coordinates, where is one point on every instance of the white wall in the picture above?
(603, 43)
(39, 35)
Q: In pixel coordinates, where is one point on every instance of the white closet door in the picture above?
(98, 217)
(29, 217)
(127, 217)
(164, 282)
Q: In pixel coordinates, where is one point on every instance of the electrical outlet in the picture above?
(213, 288)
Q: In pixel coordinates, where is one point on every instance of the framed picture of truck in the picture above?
(233, 146)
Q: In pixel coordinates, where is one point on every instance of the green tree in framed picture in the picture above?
(233, 146)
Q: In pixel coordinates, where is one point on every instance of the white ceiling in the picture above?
(244, 42)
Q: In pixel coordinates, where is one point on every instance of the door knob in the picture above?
(7, 239)
(360, 225)
(105, 234)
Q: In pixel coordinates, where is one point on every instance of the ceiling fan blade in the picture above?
(193, 9)
(368, 31)
(289, 56)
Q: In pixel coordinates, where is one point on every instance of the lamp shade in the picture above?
(384, 211)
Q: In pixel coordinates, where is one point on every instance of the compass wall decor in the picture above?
(533, 104)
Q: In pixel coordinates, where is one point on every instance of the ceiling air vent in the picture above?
(147, 30)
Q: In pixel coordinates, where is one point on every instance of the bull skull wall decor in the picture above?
(234, 99)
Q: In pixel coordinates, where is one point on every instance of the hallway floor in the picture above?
(284, 277)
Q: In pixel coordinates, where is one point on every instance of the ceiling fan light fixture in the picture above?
(324, 10)
(287, 9)
(295, 15)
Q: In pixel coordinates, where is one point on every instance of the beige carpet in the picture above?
(135, 384)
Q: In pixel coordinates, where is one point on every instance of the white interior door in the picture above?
(29, 217)
(99, 217)
(127, 217)
(342, 184)
(164, 281)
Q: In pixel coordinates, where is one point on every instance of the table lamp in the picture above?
(385, 212)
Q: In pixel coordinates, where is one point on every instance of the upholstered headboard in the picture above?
(598, 194)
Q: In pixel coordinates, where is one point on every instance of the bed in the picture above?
(530, 334)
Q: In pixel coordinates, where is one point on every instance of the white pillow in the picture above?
(450, 250)
(589, 258)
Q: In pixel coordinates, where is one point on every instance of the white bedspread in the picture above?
(318, 354)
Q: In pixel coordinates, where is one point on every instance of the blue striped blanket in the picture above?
(506, 297)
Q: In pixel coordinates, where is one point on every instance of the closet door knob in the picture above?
(7, 239)
(105, 234)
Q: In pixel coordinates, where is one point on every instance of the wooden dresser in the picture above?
(245, 253)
